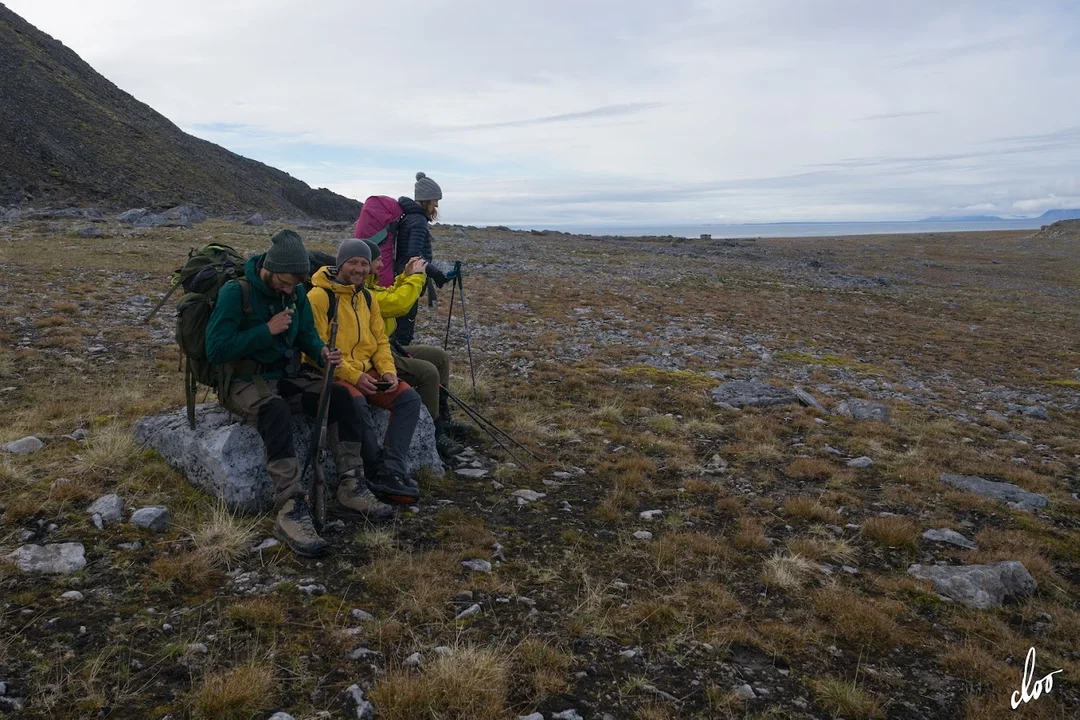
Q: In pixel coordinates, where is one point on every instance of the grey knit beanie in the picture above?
(353, 247)
(426, 188)
(287, 254)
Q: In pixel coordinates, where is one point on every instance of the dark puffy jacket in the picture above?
(414, 238)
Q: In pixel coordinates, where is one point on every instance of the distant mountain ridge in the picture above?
(1049, 216)
(69, 135)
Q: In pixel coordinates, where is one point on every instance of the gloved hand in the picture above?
(437, 276)
(455, 273)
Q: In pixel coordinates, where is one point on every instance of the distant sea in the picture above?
(811, 229)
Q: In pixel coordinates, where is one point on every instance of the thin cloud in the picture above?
(605, 112)
(897, 115)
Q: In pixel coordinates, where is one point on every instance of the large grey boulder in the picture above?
(225, 458)
(24, 446)
(983, 587)
(132, 216)
(752, 393)
(54, 559)
(1014, 495)
(185, 214)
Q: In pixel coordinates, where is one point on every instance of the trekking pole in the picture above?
(446, 339)
(474, 416)
(318, 482)
(480, 420)
(468, 340)
(161, 302)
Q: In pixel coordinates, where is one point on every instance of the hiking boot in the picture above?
(447, 447)
(391, 486)
(457, 430)
(354, 498)
(295, 528)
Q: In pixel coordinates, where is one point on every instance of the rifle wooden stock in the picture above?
(318, 482)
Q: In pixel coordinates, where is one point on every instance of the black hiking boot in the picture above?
(457, 430)
(295, 528)
(392, 487)
(447, 447)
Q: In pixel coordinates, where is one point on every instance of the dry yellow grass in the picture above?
(110, 449)
(749, 534)
(845, 699)
(469, 684)
(235, 694)
(814, 469)
(788, 572)
(810, 510)
(891, 531)
(224, 537)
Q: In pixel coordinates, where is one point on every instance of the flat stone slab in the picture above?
(952, 537)
(983, 587)
(55, 559)
(1014, 495)
(225, 457)
(752, 393)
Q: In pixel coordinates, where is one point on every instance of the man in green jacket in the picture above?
(260, 326)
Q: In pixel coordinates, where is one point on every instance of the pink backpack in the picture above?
(379, 212)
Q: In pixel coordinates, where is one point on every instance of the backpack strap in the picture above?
(245, 294)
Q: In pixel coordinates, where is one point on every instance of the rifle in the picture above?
(318, 482)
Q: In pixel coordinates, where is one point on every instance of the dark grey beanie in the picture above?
(353, 247)
(426, 189)
(287, 254)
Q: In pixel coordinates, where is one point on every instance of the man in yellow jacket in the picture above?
(426, 367)
(367, 368)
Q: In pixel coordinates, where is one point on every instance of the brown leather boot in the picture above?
(355, 498)
(295, 528)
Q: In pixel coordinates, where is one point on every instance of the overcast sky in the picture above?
(561, 112)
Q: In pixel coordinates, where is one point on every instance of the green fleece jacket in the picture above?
(232, 335)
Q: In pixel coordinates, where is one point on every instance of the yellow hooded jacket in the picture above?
(361, 336)
(398, 299)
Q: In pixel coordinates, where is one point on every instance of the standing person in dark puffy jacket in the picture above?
(414, 240)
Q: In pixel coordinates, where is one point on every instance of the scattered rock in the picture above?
(743, 692)
(482, 566)
(155, 518)
(54, 559)
(258, 220)
(312, 589)
(716, 465)
(534, 716)
(952, 537)
(25, 446)
(91, 231)
(570, 714)
(1015, 496)
(863, 410)
(528, 495)
(752, 393)
(468, 612)
(807, 399)
(362, 615)
(224, 457)
(1036, 411)
(471, 473)
(643, 535)
(413, 660)
(198, 648)
(265, 545)
(650, 515)
(109, 507)
(860, 462)
(355, 703)
(73, 596)
(443, 651)
(983, 587)
(282, 716)
(361, 652)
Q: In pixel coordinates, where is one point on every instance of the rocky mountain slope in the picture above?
(68, 134)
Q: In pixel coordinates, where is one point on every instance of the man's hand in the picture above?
(366, 384)
(392, 379)
(280, 322)
(332, 356)
(415, 266)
